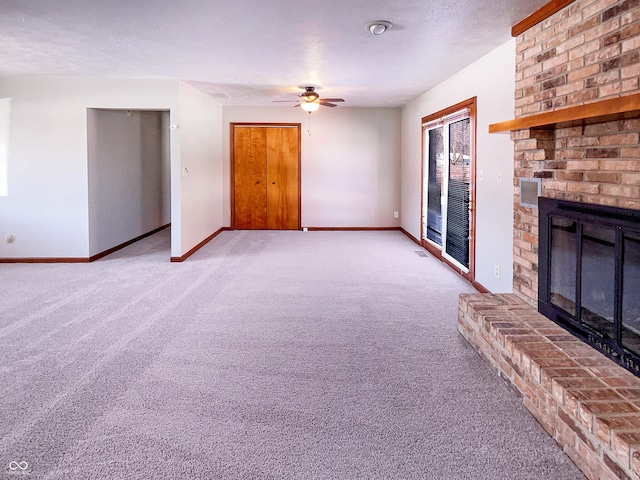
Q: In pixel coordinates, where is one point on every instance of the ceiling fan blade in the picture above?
(327, 104)
(332, 99)
(285, 101)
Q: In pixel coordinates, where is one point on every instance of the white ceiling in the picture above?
(257, 51)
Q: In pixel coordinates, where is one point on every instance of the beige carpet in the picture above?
(266, 355)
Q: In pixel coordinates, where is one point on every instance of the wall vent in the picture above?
(530, 190)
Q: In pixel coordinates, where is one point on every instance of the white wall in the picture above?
(491, 80)
(201, 190)
(47, 208)
(5, 115)
(47, 205)
(350, 162)
(128, 165)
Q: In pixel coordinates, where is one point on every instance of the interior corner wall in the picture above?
(198, 175)
(350, 162)
(127, 165)
(491, 80)
(47, 209)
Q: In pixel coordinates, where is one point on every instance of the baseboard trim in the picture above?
(82, 259)
(46, 260)
(351, 229)
(480, 288)
(199, 246)
(411, 237)
(100, 255)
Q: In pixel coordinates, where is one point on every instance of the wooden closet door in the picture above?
(283, 179)
(250, 178)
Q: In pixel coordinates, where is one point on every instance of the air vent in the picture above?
(420, 253)
(218, 95)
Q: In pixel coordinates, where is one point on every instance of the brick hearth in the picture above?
(587, 403)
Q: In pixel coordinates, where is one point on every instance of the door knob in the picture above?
(273, 183)
(257, 183)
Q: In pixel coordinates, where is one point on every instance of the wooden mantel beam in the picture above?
(617, 108)
(539, 15)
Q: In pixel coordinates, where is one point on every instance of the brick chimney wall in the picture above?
(586, 52)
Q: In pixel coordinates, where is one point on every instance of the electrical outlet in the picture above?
(496, 271)
(373, 213)
(481, 175)
(395, 215)
(499, 176)
(185, 171)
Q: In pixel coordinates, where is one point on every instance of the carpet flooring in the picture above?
(266, 355)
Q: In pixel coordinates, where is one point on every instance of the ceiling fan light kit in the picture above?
(379, 27)
(310, 106)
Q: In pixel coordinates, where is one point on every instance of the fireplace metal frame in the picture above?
(621, 220)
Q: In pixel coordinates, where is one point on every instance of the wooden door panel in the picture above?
(242, 177)
(259, 179)
(250, 175)
(282, 179)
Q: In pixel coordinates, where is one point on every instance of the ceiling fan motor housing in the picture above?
(310, 95)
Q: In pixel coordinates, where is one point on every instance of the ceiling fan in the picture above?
(310, 101)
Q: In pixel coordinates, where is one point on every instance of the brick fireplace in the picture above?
(587, 52)
(577, 129)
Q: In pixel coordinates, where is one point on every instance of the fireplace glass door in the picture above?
(563, 267)
(589, 275)
(597, 278)
(630, 289)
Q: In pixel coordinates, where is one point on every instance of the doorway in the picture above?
(129, 177)
(265, 162)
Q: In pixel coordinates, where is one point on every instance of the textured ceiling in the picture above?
(257, 51)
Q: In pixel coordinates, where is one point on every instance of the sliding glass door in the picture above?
(447, 187)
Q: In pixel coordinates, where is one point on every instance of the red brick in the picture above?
(602, 177)
(620, 165)
(631, 179)
(620, 139)
(632, 204)
(630, 85)
(602, 128)
(584, 26)
(620, 191)
(582, 96)
(603, 152)
(610, 89)
(583, 187)
(606, 424)
(615, 471)
(630, 153)
(622, 443)
(635, 463)
(584, 165)
(630, 71)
